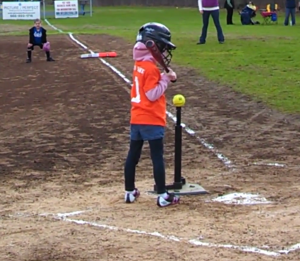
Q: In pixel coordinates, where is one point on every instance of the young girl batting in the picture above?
(148, 110)
(38, 37)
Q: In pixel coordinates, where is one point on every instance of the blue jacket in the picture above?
(290, 3)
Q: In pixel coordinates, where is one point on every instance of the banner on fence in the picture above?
(21, 10)
(66, 9)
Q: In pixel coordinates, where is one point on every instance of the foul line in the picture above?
(194, 242)
(228, 163)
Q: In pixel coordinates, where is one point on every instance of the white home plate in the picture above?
(242, 199)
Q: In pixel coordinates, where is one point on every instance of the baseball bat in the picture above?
(151, 46)
(99, 55)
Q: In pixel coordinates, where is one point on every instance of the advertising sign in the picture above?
(66, 9)
(21, 10)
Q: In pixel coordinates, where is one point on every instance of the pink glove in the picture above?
(171, 74)
(46, 47)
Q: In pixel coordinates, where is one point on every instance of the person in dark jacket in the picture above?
(229, 6)
(248, 13)
(82, 5)
(38, 37)
(290, 9)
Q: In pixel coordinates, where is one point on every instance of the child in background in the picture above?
(148, 110)
(38, 37)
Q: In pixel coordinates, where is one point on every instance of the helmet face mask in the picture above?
(161, 36)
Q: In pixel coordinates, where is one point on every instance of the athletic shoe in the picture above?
(167, 200)
(28, 60)
(131, 196)
(50, 59)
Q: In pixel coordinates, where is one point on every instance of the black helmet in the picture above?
(161, 35)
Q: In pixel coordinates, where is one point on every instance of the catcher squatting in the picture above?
(38, 37)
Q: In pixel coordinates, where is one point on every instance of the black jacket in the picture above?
(31, 35)
(227, 6)
(290, 4)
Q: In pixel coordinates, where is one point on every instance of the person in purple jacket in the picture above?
(207, 8)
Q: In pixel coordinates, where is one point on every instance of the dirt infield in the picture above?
(64, 138)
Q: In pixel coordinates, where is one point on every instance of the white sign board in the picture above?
(21, 10)
(66, 9)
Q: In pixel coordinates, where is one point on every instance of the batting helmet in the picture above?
(161, 35)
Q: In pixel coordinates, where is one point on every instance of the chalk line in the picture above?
(290, 249)
(195, 242)
(173, 238)
(271, 164)
(228, 163)
(64, 215)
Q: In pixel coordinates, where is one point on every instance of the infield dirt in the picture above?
(64, 137)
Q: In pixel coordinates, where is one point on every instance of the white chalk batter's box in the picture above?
(74, 217)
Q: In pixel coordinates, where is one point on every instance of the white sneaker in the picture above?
(167, 200)
(131, 196)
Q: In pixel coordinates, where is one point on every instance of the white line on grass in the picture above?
(228, 163)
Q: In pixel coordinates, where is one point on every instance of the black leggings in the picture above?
(229, 15)
(31, 48)
(134, 154)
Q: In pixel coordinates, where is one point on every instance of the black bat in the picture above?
(151, 46)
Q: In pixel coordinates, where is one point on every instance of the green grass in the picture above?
(261, 61)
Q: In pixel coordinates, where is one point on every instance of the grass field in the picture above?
(261, 61)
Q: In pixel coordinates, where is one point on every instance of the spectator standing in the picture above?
(82, 6)
(290, 9)
(229, 6)
(210, 8)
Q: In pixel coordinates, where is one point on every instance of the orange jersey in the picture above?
(146, 76)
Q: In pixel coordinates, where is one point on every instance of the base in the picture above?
(184, 189)
(189, 189)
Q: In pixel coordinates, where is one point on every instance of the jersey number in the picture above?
(137, 98)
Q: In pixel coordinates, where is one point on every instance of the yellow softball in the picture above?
(178, 100)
